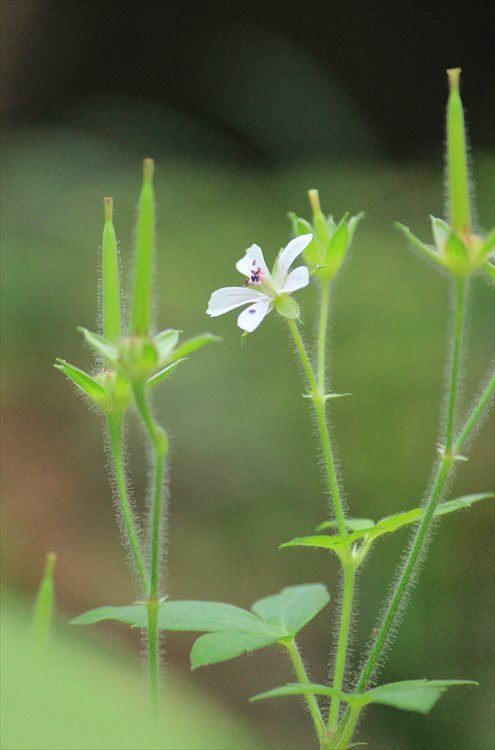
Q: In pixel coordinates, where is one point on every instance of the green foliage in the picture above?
(365, 531)
(231, 630)
(409, 695)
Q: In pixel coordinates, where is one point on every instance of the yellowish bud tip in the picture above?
(314, 200)
(454, 74)
(148, 169)
(108, 203)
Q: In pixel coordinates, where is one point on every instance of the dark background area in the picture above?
(245, 106)
(196, 56)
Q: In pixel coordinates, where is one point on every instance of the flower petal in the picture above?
(251, 317)
(288, 256)
(297, 279)
(231, 297)
(253, 259)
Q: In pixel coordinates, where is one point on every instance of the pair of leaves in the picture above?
(229, 631)
(409, 695)
(364, 529)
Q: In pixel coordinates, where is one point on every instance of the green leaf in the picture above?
(100, 345)
(462, 502)
(412, 695)
(82, 380)
(165, 341)
(353, 524)
(428, 250)
(205, 616)
(324, 542)
(296, 688)
(132, 614)
(213, 648)
(163, 374)
(293, 607)
(191, 345)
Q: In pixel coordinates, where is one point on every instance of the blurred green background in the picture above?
(272, 117)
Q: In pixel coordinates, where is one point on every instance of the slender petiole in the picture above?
(303, 678)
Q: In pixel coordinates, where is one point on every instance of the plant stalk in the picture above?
(159, 440)
(115, 424)
(341, 657)
(460, 316)
(318, 397)
(303, 678)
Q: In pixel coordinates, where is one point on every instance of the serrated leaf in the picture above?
(165, 342)
(100, 345)
(191, 345)
(412, 695)
(428, 250)
(82, 380)
(163, 374)
(213, 648)
(293, 607)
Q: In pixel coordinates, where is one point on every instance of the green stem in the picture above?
(318, 398)
(159, 440)
(303, 678)
(115, 433)
(475, 415)
(340, 661)
(460, 315)
(346, 736)
(322, 334)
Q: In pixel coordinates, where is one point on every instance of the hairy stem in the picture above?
(115, 424)
(303, 678)
(318, 398)
(460, 315)
(159, 441)
(407, 573)
(322, 335)
(341, 657)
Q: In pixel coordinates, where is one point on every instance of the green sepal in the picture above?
(117, 391)
(163, 374)
(82, 380)
(193, 344)
(352, 224)
(138, 358)
(441, 231)
(428, 250)
(337, 248)
(100, 345)
(457, 255)
(409, 695)
(165, 342)
(487, 246)
(312, 253)
(287, 306)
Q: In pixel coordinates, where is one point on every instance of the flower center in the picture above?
(256, 276)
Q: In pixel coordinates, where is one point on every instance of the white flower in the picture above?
(263, 290)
